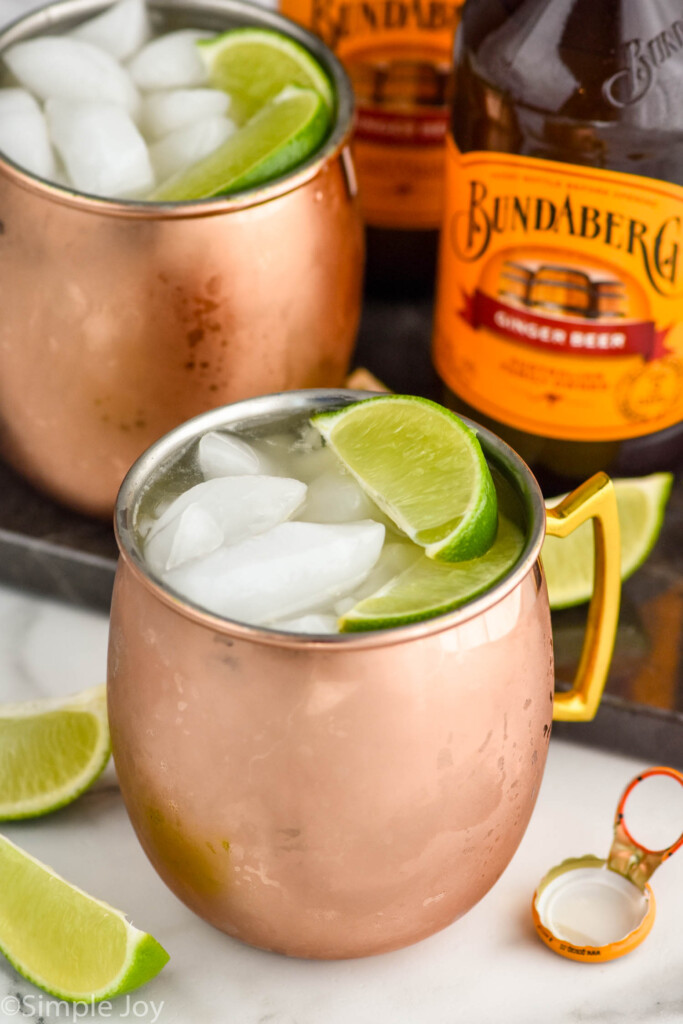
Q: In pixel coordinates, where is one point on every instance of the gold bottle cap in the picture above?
(593, 910)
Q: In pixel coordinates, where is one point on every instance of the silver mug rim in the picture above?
(262, 408)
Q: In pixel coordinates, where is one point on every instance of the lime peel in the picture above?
(41, 914)
(254, 64)
(279, 138)
(50, 752)
(568, 563)
(428, 588)
(423, 466)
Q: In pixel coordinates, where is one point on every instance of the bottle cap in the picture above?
(593, 910)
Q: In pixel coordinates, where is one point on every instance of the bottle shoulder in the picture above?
(591, 60)
(596, 82)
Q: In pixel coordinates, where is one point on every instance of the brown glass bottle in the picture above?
(407, 84)
(595, 83)
(398, 56)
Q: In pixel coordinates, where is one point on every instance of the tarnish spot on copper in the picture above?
(180, 855)
(444, 759)
(489, 734)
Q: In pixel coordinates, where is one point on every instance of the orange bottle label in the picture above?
(560, 302)
(398, 56)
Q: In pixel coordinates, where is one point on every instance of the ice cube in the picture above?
(143, 525)
(191, 534)
(226, 455)
(274, 452)
(289, 570)
(308, 438)
(23, 133)
(335, 497)
(305, 463)
(186, 146)
(309, 624)
(241, 506)
(71, 69)
(308, 466)
(170, 62)
(164, 112)
(396, 556)
(121, 30)
(103, 152)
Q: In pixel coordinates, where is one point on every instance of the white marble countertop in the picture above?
(487, 968)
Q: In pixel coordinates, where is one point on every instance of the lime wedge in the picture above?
(428, 588)
(568, 563)
(253, 65)
(50, 751)
(423, 467)
(283, 134)
(63, 940)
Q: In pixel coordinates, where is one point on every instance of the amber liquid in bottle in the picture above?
(398, 54)
(401, 261)
(597, 83)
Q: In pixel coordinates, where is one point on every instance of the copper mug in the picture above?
(340, 796)
(120, 320)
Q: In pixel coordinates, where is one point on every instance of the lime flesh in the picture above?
(568, 563)
(423, 467)
(282, 135)
(428, 588)
(50, 751)
(253, 66)
(63, 940)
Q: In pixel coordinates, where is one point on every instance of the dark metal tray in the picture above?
(53, 551)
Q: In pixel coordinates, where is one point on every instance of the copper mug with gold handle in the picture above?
(347, 795)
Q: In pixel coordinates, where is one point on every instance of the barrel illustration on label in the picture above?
(561, 301)
(578, 310)
(569, 291)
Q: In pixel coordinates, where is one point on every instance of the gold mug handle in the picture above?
(595, 499)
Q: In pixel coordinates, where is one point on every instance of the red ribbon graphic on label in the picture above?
(373, 124)
(584, 337)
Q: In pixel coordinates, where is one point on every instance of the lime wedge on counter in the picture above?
(423, 467)
(50, 751)
(253, 65)
(283, 134)
(63, 940)
(568, 563)
(428, 588)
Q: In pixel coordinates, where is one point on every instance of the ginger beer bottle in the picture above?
(398, 55)
(559, 317)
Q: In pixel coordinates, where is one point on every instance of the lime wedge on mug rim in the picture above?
(423, 467)
(568, 563)
(280, 137)
(50, 752)
(66, 942)
(253, 65)
(428, 588)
